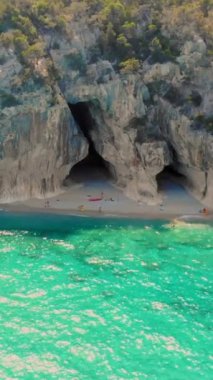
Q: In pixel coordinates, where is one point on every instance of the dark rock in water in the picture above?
(108, 294)
(76, 278)
(31, 256)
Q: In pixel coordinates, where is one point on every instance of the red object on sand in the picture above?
(95, 199)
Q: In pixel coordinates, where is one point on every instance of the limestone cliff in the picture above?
(141, 122)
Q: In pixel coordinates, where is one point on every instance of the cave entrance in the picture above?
(93, 167)
(169, 179)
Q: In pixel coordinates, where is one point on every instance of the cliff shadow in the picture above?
(93, 167)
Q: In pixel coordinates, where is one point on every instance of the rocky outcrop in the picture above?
(37, 147)
(141, 122)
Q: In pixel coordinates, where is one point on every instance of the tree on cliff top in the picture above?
(129, 29)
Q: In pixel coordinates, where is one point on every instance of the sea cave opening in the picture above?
(170, 179)
(93, 167)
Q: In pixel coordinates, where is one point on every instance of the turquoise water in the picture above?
(85, 298)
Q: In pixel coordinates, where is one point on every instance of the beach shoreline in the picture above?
(101, 198)
(95, 214)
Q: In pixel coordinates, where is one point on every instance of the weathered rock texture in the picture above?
(141, 122)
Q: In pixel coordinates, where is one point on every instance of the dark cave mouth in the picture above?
(93, 167)
(169, 178)
(82, 116)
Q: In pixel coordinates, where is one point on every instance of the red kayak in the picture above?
(95, 199)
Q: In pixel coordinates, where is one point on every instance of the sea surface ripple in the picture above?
(85, 298)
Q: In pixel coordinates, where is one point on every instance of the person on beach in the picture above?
(46, 204)
(204, 211)
(81, 208)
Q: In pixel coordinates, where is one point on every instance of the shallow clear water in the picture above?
(84, 298)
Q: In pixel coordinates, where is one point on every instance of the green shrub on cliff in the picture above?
(75, 61)
(202, 121)
(7, 38)
(34, 51)
(25, 25)
(8, 100)
(131, 65)
(139, 29)
(20, 41)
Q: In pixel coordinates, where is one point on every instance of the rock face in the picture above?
(38, 139)
(37, 149)
(141, 122)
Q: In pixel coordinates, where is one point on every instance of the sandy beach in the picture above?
(98, 196)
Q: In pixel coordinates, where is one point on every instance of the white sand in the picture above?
(75, 200)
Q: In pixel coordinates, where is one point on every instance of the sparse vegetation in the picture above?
(131, 65)
(75, 61)
(129, 30)
(128, 33)
(8, 100)
(202, 121)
